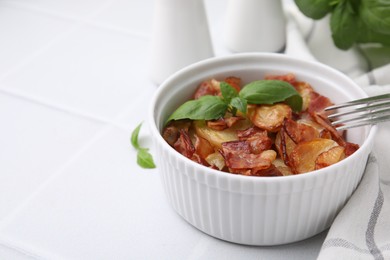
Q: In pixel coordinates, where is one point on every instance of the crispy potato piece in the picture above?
(332, 156)
(270, 117)
(282, 167)
(215, 137)
(216, 159)
(203, 147)
(305, 90)
(303, 157)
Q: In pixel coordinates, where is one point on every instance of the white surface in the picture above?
(73, 85)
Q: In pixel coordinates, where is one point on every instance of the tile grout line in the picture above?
(11, 245)
(61, 108)
(8, 218)
(77, 24)
(60, 170)
(86, 20)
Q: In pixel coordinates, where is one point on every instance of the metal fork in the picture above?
(366, 111)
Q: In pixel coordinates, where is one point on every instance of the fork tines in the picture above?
(361, 112)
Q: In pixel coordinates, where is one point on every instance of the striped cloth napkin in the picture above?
(362, 229)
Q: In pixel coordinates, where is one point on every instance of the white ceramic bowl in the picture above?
(256, 210)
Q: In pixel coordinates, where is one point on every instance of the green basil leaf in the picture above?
(204, 108)
(228, 92)
(367, 35)
(315, 9)
(145, 159)
(376, 14)
(239, 103)
(344, 25)
(270, 92)
(134, 136)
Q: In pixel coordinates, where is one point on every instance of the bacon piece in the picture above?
(350, 148)
(271, 171)
(290, 78)
(318, 103)
(171, 132)
(234, 82)
(223, 123)
(184, 145)
(231, 121)
(320, 119)
(257, 139)
(237, 155)
(251, 132)
(259, 144)
(207, 87)
(284, 145)
(270, 117)
(218, 124)
(236, 147)
(249, 161)
(299, 132)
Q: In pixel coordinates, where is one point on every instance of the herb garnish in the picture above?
(256, 92)
(352, 21)
(144, 158)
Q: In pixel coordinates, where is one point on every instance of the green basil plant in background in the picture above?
(352, 21)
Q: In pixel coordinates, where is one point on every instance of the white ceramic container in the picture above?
(255, 25)
(256, 210)
(180, 37)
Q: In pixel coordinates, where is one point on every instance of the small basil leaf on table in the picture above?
(134, 136)
(204, 108)
(145, 159)
(271, 92)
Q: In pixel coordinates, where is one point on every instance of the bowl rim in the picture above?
(166, 85)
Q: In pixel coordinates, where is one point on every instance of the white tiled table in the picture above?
(73, 84)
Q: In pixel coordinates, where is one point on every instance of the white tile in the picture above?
(23, 33)
(128, 15)
(105, 207)
(76, 9)
(35, 142)
(93, 70)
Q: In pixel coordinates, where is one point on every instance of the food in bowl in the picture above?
(271, 127)
(255, 210)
